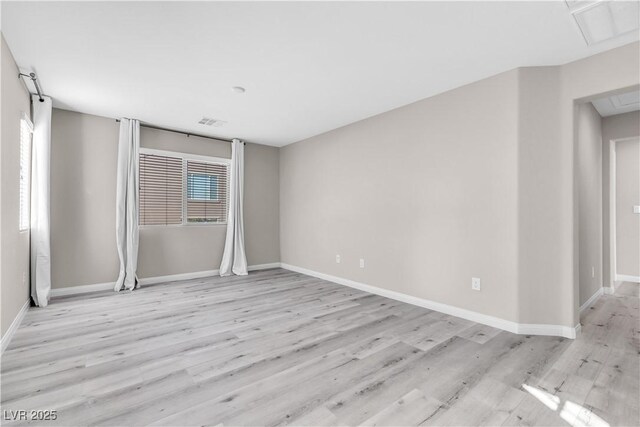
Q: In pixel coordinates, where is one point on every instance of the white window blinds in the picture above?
(177, 190)
(160, 190)
(26, 129)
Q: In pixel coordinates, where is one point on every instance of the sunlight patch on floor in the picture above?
(575, 415)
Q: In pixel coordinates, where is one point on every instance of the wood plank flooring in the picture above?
(282, 348)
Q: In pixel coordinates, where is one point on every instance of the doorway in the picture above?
(624, 208)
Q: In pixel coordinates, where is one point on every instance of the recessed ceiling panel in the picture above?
(627, 99)
(604, 20)
(618, 104)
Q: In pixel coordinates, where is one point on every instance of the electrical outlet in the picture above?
(475, 283)
(338, 259)
(361, 262)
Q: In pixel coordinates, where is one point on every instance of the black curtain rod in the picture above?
(184, 133)
(33, 78)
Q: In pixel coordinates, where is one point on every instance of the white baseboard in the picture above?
(176, 277)
(83, 289)
(200, 274)
(551, 330)
(506, 325)
(263, 266)
(627, 278)
(577, 329)
(592, 299)
(6, 338)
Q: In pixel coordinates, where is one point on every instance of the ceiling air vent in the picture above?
(211, 122)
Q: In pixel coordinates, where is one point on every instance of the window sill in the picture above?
(182, 225)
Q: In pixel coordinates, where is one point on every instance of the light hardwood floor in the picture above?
(278, 347)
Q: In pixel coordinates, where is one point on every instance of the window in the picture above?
(26, 129)
(206, 192)
(180, 189)
(202, 187)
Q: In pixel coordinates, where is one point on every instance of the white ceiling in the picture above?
(307, 67)
(618, 104)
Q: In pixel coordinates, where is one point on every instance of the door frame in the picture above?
(613, 270)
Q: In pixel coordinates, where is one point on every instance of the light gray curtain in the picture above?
(127, 203)
(234, 260)
(40, 202)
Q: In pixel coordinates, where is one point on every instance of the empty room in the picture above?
(316, 213)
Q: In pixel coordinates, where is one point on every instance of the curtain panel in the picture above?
(234, 260)
(40, 234)
(127, 190)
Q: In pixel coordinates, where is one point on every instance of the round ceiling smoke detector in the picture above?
(238, 89)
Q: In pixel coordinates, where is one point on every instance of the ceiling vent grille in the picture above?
(211, 122)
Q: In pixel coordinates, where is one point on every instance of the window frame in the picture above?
(24, 118)
(185, 157)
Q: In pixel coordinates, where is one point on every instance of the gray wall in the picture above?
(84, 150)
(426, 194)
(613, 127)
(627, 195)
(541, 259)
(83, 192)
(480, 181)
(14, 251)
(590, 200)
